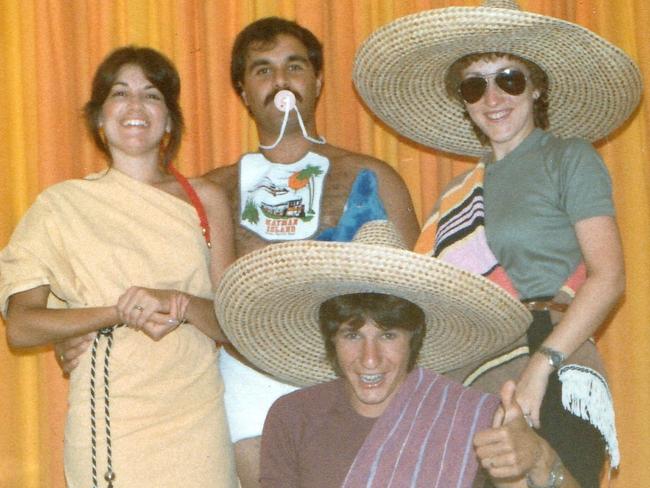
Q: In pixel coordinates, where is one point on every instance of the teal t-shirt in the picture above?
(533, 198)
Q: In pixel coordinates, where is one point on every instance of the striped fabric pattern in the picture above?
(455, 233)
(424, 438)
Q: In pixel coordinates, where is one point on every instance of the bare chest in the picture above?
(337, 185)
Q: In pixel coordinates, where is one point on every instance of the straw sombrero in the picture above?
(267, 302)
(399, 72)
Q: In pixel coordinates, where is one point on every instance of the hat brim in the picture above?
(267, 304)
(399, 72)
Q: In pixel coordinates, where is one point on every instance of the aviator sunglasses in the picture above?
(510, 80)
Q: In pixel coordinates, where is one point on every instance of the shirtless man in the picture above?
(268, 56)
(272, 54)
(294, 189)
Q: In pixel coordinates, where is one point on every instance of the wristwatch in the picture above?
(555, 477)
(555, 358)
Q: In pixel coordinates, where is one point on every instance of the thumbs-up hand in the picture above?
(510, 409)
(510, 448)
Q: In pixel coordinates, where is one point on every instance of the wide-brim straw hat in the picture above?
(399, 72)
(267, 303)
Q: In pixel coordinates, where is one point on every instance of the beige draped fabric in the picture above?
(49, 50)
(90, 239)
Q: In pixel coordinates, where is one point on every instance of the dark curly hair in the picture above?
(159, 70)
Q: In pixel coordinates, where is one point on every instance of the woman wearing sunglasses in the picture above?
(526, 93)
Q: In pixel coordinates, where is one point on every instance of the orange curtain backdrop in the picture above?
(49, 50)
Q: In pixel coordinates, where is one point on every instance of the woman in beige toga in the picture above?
(131, 256)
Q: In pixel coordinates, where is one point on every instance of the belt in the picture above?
(546, 306)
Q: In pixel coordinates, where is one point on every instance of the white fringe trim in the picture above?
(585, 393)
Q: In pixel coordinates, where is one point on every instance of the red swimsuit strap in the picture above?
(196, 202)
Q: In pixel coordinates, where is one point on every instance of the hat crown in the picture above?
(379, 233)
(509, 4)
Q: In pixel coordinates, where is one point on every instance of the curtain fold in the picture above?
(49, 50)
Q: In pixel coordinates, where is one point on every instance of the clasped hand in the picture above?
(531, 388)
(154, 312)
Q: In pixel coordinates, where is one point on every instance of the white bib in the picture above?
(281, 201)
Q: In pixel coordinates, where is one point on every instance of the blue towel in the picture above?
(363, 205)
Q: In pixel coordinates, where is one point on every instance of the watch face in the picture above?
(555, 477)
(555, 358)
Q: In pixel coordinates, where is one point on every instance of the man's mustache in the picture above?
(269, 98)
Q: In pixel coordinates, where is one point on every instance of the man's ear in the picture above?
(242, 94)
(319, 84)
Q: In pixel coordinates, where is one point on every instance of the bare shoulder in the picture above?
(209, 191)
(222, 175)
(340, 157)
(226, 177)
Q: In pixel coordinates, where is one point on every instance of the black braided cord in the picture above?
(109, 477)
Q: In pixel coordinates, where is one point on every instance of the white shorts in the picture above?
(248, 395)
